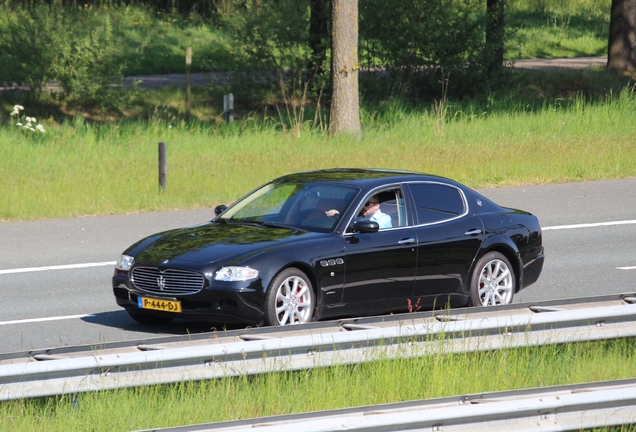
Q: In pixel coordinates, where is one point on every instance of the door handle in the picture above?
(406, 241)
(473, 232)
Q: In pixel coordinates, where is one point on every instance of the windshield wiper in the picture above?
(275, 225)
(279, 225)
(267, 224)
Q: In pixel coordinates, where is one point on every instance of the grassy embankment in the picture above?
(540, 128)
(72, 171)
(324, 388)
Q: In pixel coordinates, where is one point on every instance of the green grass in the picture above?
(325, 388)
(547, 29)
(556, 37)
(155, 43)
(79, 168)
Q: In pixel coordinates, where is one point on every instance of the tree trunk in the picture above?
(345, 108)
(622, 45)
(494, 36)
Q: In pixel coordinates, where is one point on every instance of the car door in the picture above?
(448, 240)
(380, 266)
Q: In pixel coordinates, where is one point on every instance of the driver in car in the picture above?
(371, 211)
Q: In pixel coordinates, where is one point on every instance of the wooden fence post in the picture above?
(188, 78)
(162, 166)
(228, 107)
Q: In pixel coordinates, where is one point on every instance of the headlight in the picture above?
(234, 274)
(124, 263)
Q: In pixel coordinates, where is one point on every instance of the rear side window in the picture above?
(436, 202)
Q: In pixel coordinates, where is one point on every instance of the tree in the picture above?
(318, 34)
(345, 107)
(621, 50)
(494, 36)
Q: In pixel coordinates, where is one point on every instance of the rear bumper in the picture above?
(532, 270)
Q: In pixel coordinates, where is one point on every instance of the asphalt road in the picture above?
(48, 299)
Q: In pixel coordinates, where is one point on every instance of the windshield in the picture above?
(308, 206)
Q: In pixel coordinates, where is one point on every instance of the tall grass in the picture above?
(325, 388)
(82, 169)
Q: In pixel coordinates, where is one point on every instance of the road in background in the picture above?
(560, 63)
(223, 78)
(49, 298)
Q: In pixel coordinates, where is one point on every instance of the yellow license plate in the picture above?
(159, 304)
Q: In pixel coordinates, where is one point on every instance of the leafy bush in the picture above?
(75, 48)
(419, 42)
(271, 52)
(26, 47)
(86, 63)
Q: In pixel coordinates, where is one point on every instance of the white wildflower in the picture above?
(31, 122)
(16, 110)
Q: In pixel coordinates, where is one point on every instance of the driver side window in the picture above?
(385, 207)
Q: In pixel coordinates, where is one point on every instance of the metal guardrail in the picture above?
(564, 408)
(253, 351)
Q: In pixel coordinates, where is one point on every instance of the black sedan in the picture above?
(334, 243)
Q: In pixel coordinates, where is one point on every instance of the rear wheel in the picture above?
(148, 319)
(290, 299)
(493, 281)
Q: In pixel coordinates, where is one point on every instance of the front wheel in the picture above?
(290, 299)
(493, 281)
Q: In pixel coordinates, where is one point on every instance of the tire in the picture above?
(148, 319)
(290, 299)
(493, 281)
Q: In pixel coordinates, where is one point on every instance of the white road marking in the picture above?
(36, 320)
(589, 225)
(112, 263)
(58, 267)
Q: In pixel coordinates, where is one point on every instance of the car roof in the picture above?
(361, 177)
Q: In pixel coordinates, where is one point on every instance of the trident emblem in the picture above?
(161, 283)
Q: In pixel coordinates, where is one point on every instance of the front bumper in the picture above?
(227, 302)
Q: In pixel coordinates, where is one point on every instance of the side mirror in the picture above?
(219, 209)
(365, 226)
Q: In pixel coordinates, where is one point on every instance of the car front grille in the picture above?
(167, 282)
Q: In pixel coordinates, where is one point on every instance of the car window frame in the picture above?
(409, 221)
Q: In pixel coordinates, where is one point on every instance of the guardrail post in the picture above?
(162, 166)
(228, 107)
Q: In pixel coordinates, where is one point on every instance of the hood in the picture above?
(212, 241)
